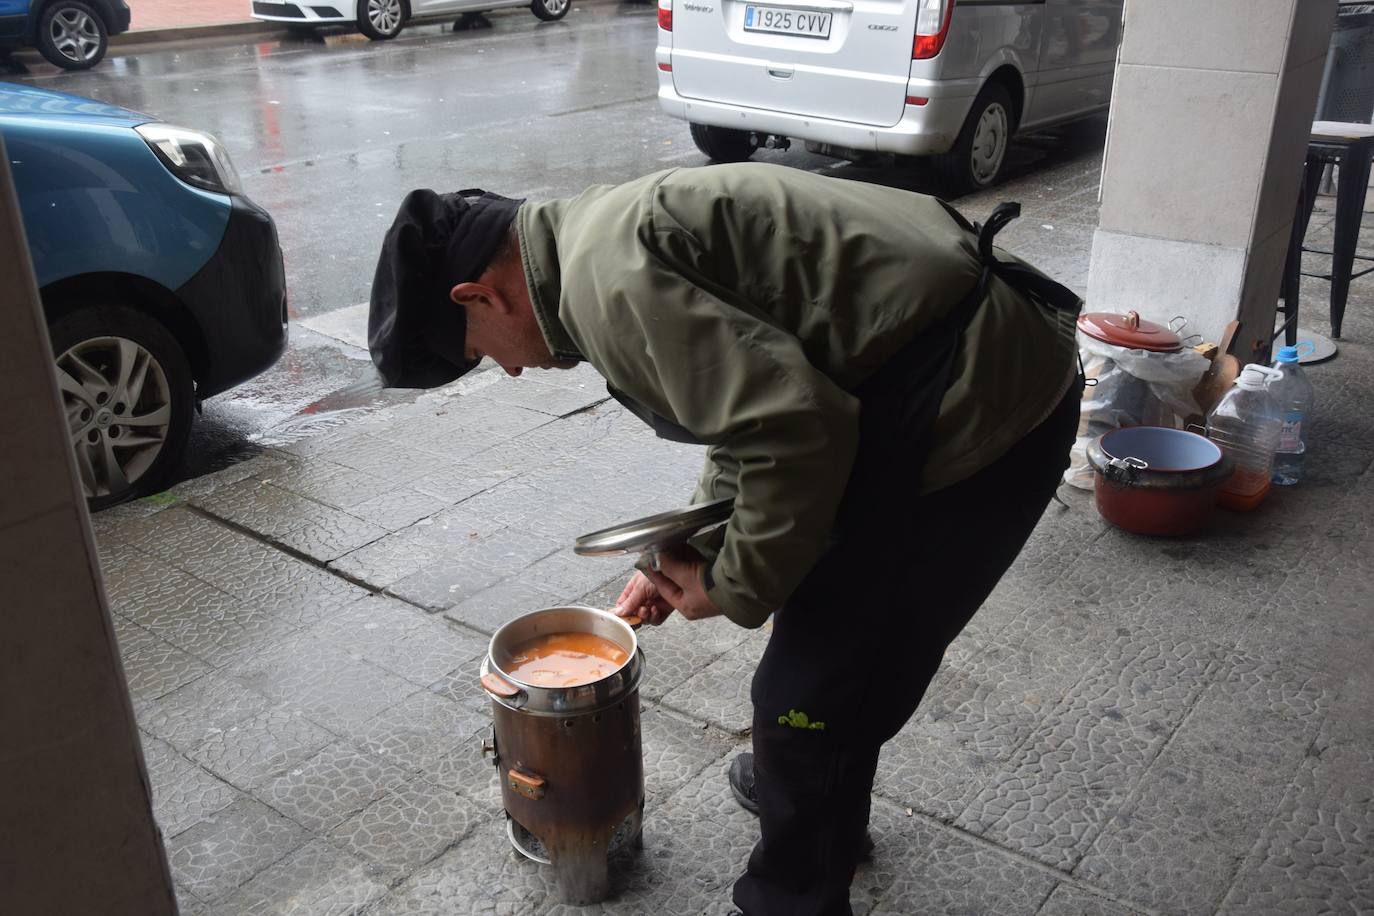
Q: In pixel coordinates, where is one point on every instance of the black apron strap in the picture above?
(901, 401)
(1031, 283)
(962, 314)
(662, 426)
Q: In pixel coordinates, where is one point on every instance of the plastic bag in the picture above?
(1134, 388)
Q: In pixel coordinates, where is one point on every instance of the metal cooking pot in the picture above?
(1156, 480)
(561, 701)
(570, 759)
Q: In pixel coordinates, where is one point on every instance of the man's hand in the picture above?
(641, 599)
(678, 580)
(653, 595)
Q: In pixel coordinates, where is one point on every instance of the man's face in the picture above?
(514, 344)
(501, 323)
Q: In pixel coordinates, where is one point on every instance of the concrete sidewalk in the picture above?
(1129, 726)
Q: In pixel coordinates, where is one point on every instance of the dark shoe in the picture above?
(742, 782)
(742, 786)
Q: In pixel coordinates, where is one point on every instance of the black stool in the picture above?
(1349, 147)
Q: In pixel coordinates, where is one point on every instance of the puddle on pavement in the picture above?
(359, 399)
(339, 407)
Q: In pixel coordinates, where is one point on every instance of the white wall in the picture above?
(77, 834)
(1211, 111)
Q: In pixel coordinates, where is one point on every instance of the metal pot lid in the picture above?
(1129, 331)
(655, 532)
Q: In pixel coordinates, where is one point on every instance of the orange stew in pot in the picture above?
(565, 659)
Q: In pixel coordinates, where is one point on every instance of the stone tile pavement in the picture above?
(1129, 726)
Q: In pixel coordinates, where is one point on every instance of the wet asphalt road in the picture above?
(330, 133)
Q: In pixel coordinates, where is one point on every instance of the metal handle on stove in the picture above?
(530, 785)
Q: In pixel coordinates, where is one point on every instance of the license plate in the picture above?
(781, 20)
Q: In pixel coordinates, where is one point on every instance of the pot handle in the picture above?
(633, 621)
(502, 689)
(1124, 470)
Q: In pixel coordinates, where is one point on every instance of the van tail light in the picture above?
(665, 15)
(932, 27)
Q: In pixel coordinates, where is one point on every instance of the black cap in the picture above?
(416, 333)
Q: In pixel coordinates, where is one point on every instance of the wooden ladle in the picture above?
(1221, 375)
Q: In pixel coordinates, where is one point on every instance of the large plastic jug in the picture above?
(1293, 392)
(1246, 423)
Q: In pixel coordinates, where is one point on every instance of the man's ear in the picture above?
(481, 297)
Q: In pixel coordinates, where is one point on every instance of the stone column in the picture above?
(77, 833)
(1211, 111)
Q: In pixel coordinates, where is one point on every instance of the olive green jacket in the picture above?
(745, 302)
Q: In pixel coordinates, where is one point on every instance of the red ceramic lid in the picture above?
(1130, 331)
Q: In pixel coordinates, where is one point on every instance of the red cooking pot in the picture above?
(1156, 480)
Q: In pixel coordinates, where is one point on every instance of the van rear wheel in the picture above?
(724, 144)
(975, 162)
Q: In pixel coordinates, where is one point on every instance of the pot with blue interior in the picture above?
(1155, 480)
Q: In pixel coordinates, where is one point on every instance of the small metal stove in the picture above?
(570, 759)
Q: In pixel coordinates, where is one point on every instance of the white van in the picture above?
(951, 79)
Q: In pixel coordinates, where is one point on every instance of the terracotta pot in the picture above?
(1157, 481)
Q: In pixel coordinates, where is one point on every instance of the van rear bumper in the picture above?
(922, 131)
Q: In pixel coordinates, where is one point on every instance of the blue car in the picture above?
(162, 283)
(73, 34)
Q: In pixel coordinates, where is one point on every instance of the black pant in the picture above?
(853, 651)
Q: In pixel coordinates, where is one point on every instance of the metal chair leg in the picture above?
(1353, 181)
(1290, 289)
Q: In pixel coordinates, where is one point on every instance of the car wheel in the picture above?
(71, 35)
(381, 19)
(979, 153)
(550, 10)
(723, 144)
(128, 396)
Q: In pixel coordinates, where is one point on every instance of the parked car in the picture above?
(382, 19)
(949, 79)
(161, 282)
(73, 34)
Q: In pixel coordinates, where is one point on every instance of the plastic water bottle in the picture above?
(1294, 395)
(1246, 423)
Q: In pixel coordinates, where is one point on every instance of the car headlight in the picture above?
(195, 157)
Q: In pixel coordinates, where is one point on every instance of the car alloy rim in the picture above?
(385, 15)
(555, 7)
(75, 35)
(119, 408)
(989, 143)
